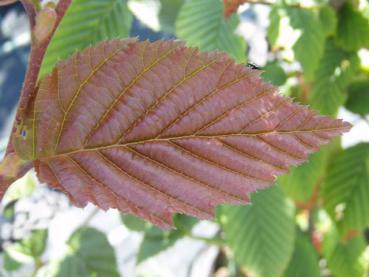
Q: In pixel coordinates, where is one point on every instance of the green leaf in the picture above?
(335, 70)
(134, 223)
(201, 24)
(358, 97)
(300, 30)
(346, 190)
(89, 254)
(30, 248)
(168, 14)
(309, 47)
(274, 25)
(305, 260)
(9, 263)
(87, 22)
(343, 257)
(262, 234)
(21, 188)
(274, 74)
(353, 29)
(328, 20)
(300, 183)
(157, 240)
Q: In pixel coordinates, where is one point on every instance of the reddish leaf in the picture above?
(231, 6)
(157, 128)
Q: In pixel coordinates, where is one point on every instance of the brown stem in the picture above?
(30, 10)
(34, 64)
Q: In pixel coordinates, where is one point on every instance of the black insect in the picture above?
(253, 66)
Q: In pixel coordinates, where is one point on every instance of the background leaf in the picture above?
(343, 256)
(90, 254)
(358, 97)
(201, 24)
(134, 223)
(261, 235)
(274, 74)
(335, 70)
(9, 263)
(328, 20)
(346, 190)
(85, 23)
(300, 30)
(30, 248)
(156, 240)
(168, 14)
(309, 47)
(300, 182)
(353, 29)
(305, 260)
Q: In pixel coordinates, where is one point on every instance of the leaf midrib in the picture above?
(206, 137)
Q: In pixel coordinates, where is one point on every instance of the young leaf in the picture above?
(261, 235)
(29, 248)
(201, 24)
(87, 22)
(157, 128)
(346, 190)
(9, 263)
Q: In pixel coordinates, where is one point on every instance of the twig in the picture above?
(213, 241)
(266, 3)
(365, 119)
(35, 60)
(88, 219)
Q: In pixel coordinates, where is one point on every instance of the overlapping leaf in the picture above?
(301, 183)
(304, 261)
(358, 97)
(331, 79)
(88, 254)
(261, 235)
(157, 128)
(346, 191)
(201, 24)
(343, 257)
(168, 14)
(300, 30)
(87, 22)
(353, 29)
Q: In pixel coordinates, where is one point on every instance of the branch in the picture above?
(36, 56)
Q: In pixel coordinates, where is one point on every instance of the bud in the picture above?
(45, 24)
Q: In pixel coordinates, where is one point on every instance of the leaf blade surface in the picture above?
(154, 129)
